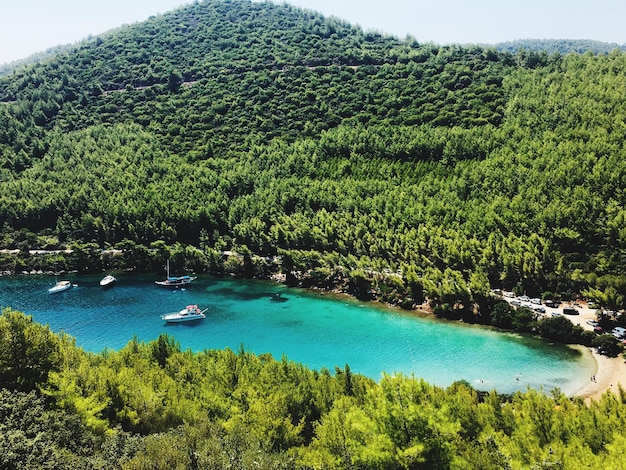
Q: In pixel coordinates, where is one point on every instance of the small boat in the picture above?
(189, 313)
(175, 281)
(60, 287)
(172, 281)
(278, 297)
(107, 281)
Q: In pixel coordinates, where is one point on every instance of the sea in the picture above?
(316, 329)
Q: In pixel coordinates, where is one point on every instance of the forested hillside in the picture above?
(400, 170)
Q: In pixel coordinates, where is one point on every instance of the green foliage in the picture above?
(36, 437)
(502, 315)
(555, 328)
(608, 345)
(28, 352)
(163, 348)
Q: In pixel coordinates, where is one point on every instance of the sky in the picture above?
(29, 26)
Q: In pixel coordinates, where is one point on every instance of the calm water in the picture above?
(316, 330)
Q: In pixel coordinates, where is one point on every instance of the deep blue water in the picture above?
(314, 329)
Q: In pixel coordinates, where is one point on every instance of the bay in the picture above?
(320, 331)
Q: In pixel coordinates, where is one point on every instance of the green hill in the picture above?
(270, 130)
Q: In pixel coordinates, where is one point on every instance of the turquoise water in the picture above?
(316, 330)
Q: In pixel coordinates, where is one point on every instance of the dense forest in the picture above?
(153, 405)
(410, 171)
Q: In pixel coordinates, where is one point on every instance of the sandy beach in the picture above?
(610, 371)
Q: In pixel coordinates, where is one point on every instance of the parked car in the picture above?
(551, 303)
(570, 311)
(618, 332)
(523, 298)
(535, 301)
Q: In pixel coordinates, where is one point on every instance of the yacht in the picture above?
(108, 281)
(189, 313)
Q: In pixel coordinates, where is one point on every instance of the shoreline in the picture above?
(610, 372)
(610, 375)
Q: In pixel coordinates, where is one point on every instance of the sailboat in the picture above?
(60, 286)
(175, 281)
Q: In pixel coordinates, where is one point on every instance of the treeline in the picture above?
(158, 406)
(559, 46)
(412, 170)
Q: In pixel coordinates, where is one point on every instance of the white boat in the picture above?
(189, 313)
(172, 281)
(175, 281)
(107, 281)
(60, 287)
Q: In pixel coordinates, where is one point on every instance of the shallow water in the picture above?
(316, 330)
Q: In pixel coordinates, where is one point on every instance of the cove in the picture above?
(320, 331)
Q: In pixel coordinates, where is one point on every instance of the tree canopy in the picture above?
(228, 125)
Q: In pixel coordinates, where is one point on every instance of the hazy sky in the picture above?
(28, 26)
